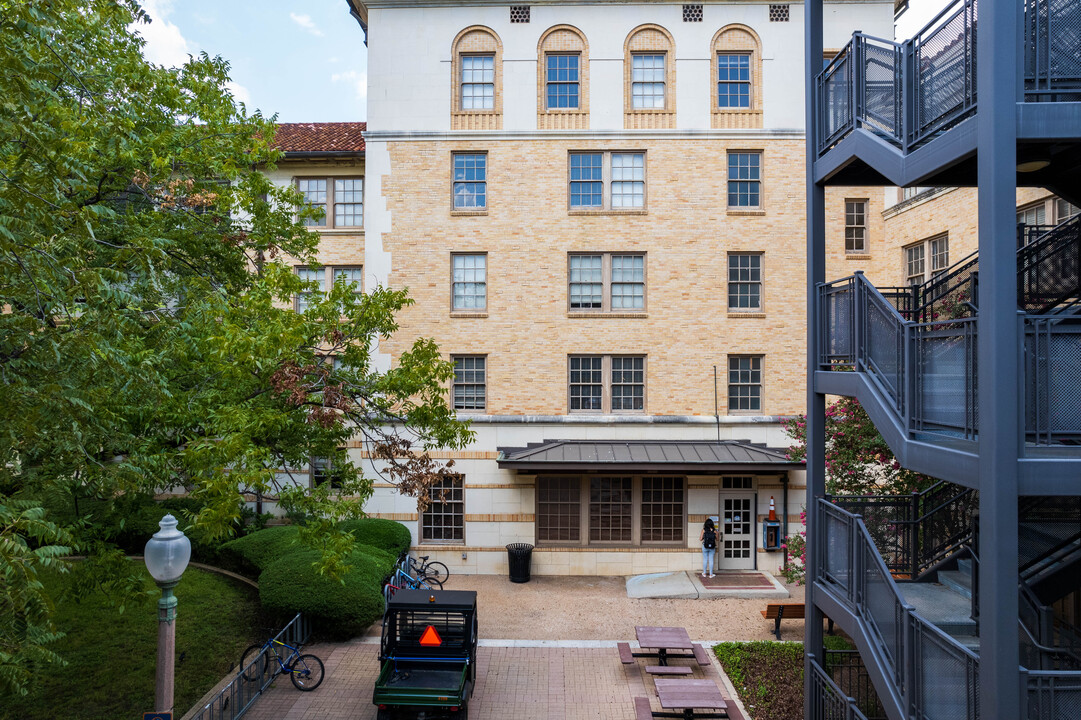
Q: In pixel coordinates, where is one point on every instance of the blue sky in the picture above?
(304, 60)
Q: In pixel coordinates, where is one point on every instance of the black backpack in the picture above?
(709, 540)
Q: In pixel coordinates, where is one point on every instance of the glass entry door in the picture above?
(737, 523)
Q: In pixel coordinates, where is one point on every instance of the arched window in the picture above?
(477, 80)
(562, 79)
(649, 78)
(736, 78)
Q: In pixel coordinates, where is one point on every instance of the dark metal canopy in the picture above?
(702, 456)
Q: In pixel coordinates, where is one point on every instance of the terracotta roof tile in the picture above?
(321, 137)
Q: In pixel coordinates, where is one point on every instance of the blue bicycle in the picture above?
(401, 579)
(306, 671)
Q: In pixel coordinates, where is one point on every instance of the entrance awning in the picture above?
(664, 456)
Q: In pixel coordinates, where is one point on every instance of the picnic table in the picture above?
(686, 695)
(663, 639)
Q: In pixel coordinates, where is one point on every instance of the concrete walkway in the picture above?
(513, 683)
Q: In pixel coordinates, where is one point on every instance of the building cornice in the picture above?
(362, 7)
(583, 135)
(609, 420)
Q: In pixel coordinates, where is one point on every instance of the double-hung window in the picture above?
(855, 226)
(1065, 210)
(648, 81)
(470, 382)
(745, 383)
(443, 521)
(733, 80)
(562, 81)
(607, 282)
(341, 201)
(322, 471)
(1032, 215)
(470, 183)
(745, 282)
(926, 259)
(744, 180)
(469, 281)
(607, 383)
(322, 277)
(607, 180)
(478, 82)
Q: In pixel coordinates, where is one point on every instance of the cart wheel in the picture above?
(382, 715)
(462, 714)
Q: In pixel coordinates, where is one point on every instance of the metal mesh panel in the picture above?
(888, 519)
(1052, 49)
(946, 379)
(837, 560)
(882, 608)
(945, 67)
(837, 311)
(1052, 379)
(952, 295)
(881, 92)
(1054, 695)
(1049, 267)
(835, 99)
(883, 347)
(948, 680)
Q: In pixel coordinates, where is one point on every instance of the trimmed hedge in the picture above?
(385, 534)
(251, 554)
(340, 608)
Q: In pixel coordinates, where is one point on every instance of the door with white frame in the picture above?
(737, 548)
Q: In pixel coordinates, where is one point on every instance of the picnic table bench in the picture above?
(786, 611)
(662, 640)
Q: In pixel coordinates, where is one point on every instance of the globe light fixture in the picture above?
(167, 554)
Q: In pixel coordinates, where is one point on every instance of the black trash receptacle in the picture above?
(519, 556)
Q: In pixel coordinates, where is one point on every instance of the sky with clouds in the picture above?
(302, 59)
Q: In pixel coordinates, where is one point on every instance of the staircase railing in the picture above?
(1052, 366)
(1049, 265)
(931, 671)
(910, 92)
(915, 533)
(926, 372)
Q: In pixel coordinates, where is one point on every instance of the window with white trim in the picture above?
(562, 81)
(470, 181)
(648, 81)
(606, 383)
(926, 259)
(733, 80)
(478, 82)
(340, 198)
(1033, 215)
(607, 180)
(745, 180)
(1065, 210)
(606, 281)
(469, 281)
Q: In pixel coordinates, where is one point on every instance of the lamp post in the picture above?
(167, 554)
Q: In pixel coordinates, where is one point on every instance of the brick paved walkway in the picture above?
(513, 683)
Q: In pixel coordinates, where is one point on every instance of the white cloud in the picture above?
(306, 22)
(358, 80)
(165, 44)
(240, 93)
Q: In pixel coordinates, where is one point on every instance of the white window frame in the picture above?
(454, 282)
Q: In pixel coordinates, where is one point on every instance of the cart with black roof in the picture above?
(428, 655)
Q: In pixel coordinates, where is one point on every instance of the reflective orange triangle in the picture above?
(431, 638)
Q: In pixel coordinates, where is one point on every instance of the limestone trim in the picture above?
(568, 549)
(476, 40)
(563, 40)
(653, 40)
(400, 517)
(625, 135)
(740, 40)
(500, 517)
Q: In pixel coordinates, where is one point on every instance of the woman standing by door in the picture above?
(708, 538)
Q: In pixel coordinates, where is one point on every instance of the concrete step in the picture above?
(958, 580)
(965, 566)
(942, 606)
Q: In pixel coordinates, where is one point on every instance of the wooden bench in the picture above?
(641, 709)
(625, 655)
(668, 670)
(786, 611)
(700, 655)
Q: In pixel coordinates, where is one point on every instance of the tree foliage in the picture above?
(858, 460)
(145, 338)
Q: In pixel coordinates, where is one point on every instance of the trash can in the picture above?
(519, 556)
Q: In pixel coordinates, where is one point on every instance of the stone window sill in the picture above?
(747, 213)
(749, 315)
(636, 211)
(468, 314)
(602, 314)
(857, 256)
(468, 213)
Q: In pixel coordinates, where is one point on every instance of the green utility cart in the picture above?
(428, 655)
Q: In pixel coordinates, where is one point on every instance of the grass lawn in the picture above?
(112, 657)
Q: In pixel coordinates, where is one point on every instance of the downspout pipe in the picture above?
(784, 517)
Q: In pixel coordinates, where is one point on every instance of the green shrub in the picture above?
(384, 561)
(338, 608)
(251, 554)
(384, 534)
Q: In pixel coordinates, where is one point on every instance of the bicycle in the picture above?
(434, 569)
(401, 580)
(306, 671)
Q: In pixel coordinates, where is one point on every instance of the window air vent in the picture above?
(692, 12)
(778, 13)
(519, 13)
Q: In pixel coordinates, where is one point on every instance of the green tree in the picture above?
(146, 339)
(858, 460)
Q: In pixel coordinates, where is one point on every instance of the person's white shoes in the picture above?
(704, 575)
(712, 575)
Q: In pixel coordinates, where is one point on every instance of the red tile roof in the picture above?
(321, 137)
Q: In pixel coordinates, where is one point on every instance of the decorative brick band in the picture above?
(500, 486)
(400, 517)
(500, 549)
(500, 517)
(444, 455)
